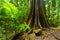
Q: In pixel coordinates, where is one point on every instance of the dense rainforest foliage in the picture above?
(53, 12)
(14, 14)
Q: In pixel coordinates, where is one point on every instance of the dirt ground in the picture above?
(53, 34)
(49, 35)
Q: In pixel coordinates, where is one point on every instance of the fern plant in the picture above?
(10, 8)
(23, 26)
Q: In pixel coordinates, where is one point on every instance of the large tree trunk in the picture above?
(37, 17)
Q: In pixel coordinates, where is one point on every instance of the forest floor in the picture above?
(53, 34)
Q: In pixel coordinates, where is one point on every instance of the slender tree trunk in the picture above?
(37, 17)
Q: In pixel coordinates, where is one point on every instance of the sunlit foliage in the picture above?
(53, 12)
(13, 14)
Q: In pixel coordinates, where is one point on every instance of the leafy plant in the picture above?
(12, 16)
(10, 8)
(23, 26)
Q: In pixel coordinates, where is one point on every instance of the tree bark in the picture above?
(37, 17)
